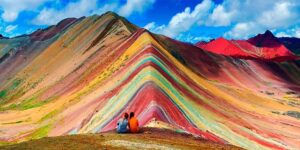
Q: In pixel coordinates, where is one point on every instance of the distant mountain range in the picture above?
(263, 46)
(83, 74)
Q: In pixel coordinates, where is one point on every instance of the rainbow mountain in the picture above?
(82, 74)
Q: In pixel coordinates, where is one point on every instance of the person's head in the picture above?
(126, 115)
(131, 114)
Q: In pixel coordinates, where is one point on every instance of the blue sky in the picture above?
(186, 20)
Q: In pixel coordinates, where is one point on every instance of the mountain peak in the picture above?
(51, 31)
(221, 39)
(268, 33)
(265, 40)
(131, 27)
(110, 13)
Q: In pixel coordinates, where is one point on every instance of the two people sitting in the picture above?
(126, 125)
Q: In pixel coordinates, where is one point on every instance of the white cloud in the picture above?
(220, 17)
(297, 33)
(243, 18)
(10, 16)
(293, 32)
(50, 16)
(154, 28)
(106, 7)
(242, 30)
(279, 16)
(202, 38)
(188, 37)
(10, 28)
(183, 21)
(12, 8)
(282, 34)
(135, 6)
(258, 16)
(150, 26)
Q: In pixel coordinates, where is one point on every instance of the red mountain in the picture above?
(228, 48)
(263, 46)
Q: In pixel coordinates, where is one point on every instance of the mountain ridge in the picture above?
(263, 46)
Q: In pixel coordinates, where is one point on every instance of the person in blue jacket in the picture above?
(122, 125)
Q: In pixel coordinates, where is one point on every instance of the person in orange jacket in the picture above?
(133, 123)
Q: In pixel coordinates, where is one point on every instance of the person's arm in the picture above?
(118, 123)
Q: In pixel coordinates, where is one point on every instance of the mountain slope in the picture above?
(226, 47)
(291, 43)
(99, 67)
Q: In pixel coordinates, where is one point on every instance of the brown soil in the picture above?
(149, 138)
